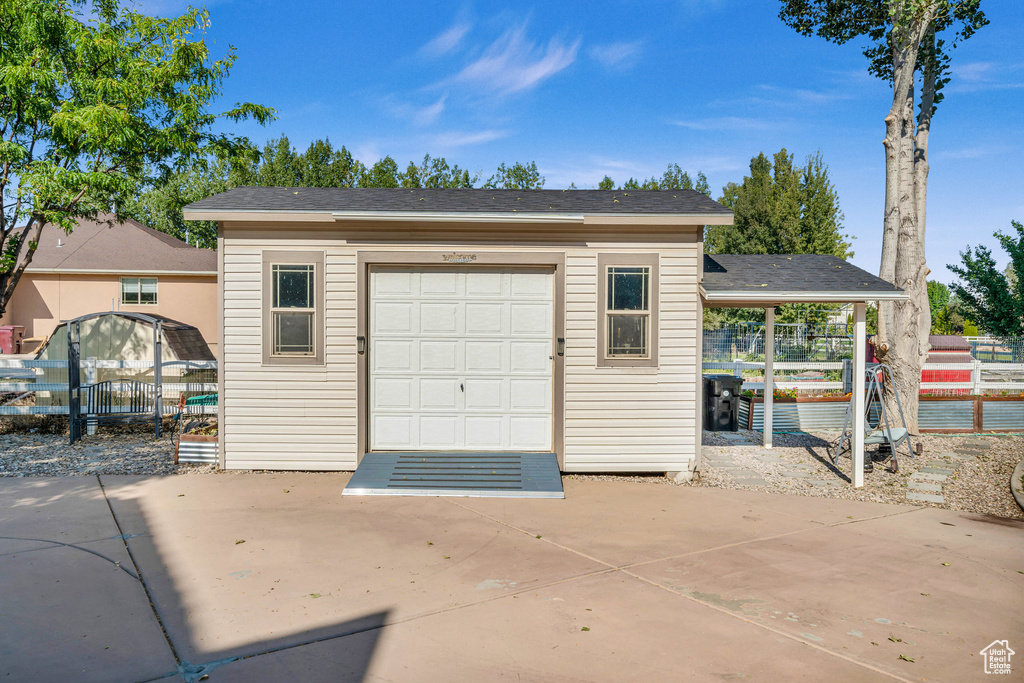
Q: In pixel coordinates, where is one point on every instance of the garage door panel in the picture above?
(485, 394)
(530, 395)
(394, 356)
(531, 357)
(531, 319)
(394, 431)
(390, 283)
(396, 393)
(484, 284)
(485, 319)
(534, 284)
(441, 318)
(439, 282)
(439, 356)
(438, 431)
(461, 358)
(485, 356)
(529, 433)
(393, 318)
(485, 433)
(438, 394)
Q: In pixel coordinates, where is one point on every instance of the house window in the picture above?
(628, 311)
(138, 290)
(293, 307)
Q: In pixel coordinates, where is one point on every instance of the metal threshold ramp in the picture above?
(483, 475)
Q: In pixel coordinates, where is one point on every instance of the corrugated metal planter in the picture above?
(197, 448)
(936, 414)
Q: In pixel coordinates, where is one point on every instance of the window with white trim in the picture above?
(138, 290)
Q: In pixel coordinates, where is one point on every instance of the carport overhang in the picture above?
(767, 281)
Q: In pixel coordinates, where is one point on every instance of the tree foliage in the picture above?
(780, 208)
(907, 48)
(990, 297)
(518, 176)
(90, 98)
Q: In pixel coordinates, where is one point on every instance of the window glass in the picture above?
(293, 333)
(138, 290)
(628, 288)
(293, 286)
(627, 335)
(147, 294)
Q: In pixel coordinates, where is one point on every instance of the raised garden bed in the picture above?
(936, 414)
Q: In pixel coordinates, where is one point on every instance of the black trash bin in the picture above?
(722, 402)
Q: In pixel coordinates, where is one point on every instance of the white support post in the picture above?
(90, 379)
(859, 389)
(769, 372)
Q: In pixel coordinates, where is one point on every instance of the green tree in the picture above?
(938, 298)
(323, 166)
(279, 165)
(989, 297)
(518, 176)
(159, 205)
(90, 97)
(606, 184)
(905, 45)
(384, 173)
(435, 172)
(780, 208)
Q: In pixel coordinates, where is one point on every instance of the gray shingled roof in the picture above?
(588, 202)
(127, 246)
(787, 273)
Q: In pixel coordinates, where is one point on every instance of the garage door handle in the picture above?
(462, 387)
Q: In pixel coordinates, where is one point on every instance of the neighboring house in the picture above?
(126, 267)
(565, 322)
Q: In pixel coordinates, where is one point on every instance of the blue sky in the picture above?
(624, 88)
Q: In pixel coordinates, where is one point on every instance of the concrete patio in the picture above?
(266, 577)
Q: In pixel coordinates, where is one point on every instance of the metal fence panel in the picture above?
(1002, 415)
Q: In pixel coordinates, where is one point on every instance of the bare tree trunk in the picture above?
(900, 330)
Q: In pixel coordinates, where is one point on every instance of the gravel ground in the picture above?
(979, 482)
(797, 464)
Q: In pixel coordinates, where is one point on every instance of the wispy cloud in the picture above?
(619, 55)
(430, 113)
(452, 139)
(727, 123)
(973, 152)
(447, 41)
(514, 63)
(978, 76)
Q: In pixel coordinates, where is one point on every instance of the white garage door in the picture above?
(461, 359)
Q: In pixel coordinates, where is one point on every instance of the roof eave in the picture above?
(459, 217)
(739, 298)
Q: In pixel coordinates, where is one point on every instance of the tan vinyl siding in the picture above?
(288, 417)
(632, 419)
(304, 417)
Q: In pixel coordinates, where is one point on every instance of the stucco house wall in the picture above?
(77, 273)
(42, 300)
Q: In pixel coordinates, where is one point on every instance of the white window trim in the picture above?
(278, 258)
(138, 281)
